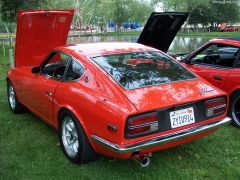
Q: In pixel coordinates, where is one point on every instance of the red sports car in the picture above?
(118, 99)
(230, 29)
(218, 61)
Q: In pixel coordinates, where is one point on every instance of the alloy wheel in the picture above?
(12, 97)
(236, 110)
(70, 137)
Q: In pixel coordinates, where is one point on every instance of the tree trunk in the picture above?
(118, 27)
(8, 34)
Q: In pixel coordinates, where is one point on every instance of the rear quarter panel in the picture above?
(218, 93)
(233, 82)
(96, 103)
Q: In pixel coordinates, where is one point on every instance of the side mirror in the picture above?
(36, 70)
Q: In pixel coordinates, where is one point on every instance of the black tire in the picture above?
(234, 109)
(85, 153)
(15, 106)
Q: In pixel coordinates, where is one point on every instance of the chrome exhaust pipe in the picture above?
(143, 159)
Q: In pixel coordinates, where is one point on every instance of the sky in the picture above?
(159, 7)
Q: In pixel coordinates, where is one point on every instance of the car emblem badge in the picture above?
(205, 90)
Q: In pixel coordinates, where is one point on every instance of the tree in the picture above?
(121, 12)
(85, 10)
(206, 11)
(8, 9)
(141, 10)
(88, 12)
(124, 10)
(221, 13)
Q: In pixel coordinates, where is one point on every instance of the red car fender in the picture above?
(58, 111)
(76, 114)
(80, 119)
(9, 77)
(234, 90)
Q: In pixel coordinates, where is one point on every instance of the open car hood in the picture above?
(38, 32)
(161, 28)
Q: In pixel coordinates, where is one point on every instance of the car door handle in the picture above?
(49, 94)
(219, 78)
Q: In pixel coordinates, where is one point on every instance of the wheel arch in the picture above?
(75, 113)
(80, 119)
(9, 79)
(234, 92)
(9, 75)
(231, 112)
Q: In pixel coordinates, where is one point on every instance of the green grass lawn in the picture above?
(6, 35)
(211, 34)
(200, 34)
(29, 149)
(194, 34)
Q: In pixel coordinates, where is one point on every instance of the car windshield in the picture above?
(140, 69)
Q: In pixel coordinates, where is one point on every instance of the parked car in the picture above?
(117, 99)
(218, 61)
(228, 28)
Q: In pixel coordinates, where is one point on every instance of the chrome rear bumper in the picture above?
(160, 139)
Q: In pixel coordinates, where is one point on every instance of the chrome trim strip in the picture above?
(213, 66)
(160, 139)
(217, 107)
(154, 123)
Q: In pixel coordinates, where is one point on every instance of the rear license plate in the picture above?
(182, 117)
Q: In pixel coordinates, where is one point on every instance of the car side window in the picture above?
(75, 71)
(216, 54)
(56, 65)
(237, 64)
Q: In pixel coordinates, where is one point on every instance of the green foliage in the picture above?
(206, 11)
(11, 27)
(224, 12)
(124, 10)
(121, 12)
(87, 12)
(210, 34)
(141, 10)
(8, 9)
(98, 12)
(101, 11)
(59, 4)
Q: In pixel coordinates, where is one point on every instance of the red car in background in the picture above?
(226, 28)
(218, 61)
(118, 99)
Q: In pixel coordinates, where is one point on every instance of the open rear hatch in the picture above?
(171, 106)
(161, 28)
(38, 32)
(163, 95)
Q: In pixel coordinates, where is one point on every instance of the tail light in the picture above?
(142, 124)
(215, 106)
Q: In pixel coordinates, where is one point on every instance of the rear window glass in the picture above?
(140, 69)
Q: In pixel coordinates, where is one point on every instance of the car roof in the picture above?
(234, 41)
(95, 49)
(230, 38)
